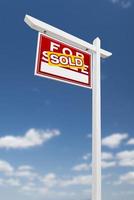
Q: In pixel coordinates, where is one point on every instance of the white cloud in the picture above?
(106, 164)
(29, 189)
(77, 180)
(107, 156)
(81, 167)
(131, 141)
(127, 178)
(87, 156)
(6, 168)
(25, 173)
(10, 182)
(13, 182)
(122, 3)
(25, 167)
(32, 138)
(50, 180)
(125, 155)
(114, 140)
(125, 158)
(49, 185)
(107, 161)
(126, 163)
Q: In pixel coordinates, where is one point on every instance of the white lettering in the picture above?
(78, 62)
(63, 60)
(70, 62)
(67, 51)
(79, 54)
(45, 56)
(54, 46)
(54, 59)
(85, 70)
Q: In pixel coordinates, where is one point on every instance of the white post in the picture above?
(96, 123)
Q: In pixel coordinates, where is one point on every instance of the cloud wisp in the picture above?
(108, 161)
(32, 138)
(122, 3)
(6, 168)
(131, 141)
(81, 167)
(125, 158)
(25, 179)
(114, 140)
(127, 178)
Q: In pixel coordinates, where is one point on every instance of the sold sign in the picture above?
(60, 61)
(65, 60)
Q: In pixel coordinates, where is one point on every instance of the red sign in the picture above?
(60, 61)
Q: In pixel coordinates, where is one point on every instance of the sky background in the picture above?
(45, 125)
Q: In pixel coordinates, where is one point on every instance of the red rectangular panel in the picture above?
(73, 75)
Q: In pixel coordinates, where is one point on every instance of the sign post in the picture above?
(75, 73)
(96, 124)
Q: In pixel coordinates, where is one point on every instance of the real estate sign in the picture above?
(63, 62)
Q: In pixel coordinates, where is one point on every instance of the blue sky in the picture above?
(45, 129)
